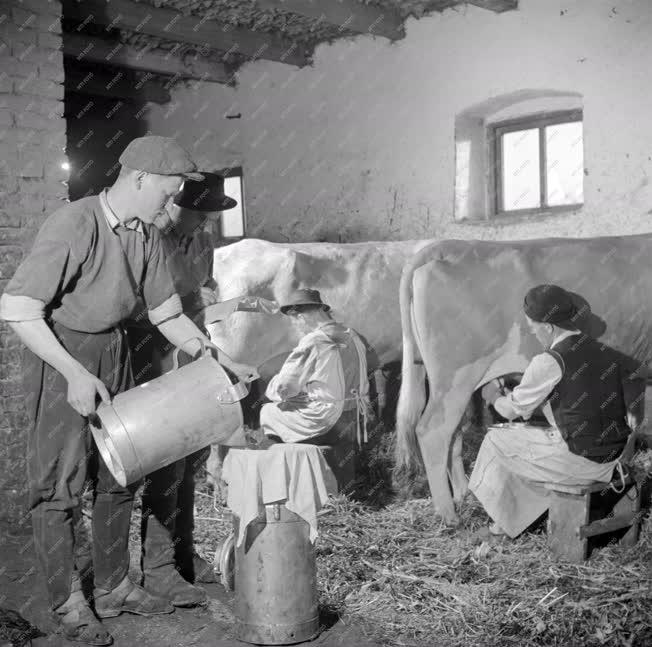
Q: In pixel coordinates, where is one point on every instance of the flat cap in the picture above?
(160, 155)
(550, 304)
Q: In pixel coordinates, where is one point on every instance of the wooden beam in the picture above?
(173, 25)
(80, 48)
(495, 5)
(349, 15)
(120, 84)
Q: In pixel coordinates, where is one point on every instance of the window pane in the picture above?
(232, 219)
(521, 183)
(564, 164)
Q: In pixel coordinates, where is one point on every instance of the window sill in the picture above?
(502, 220)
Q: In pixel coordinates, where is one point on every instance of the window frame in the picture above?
(539, 121)
(236, 171)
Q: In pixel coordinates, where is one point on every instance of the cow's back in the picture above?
(358, 280)
(473, 291)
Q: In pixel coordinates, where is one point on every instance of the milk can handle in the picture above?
(234, 393)
(175, 356)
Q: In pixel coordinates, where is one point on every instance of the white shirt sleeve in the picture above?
(291, 380)
(19, 308)
(169, 309)
(539, 379)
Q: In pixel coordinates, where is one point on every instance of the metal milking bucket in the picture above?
(168, 418)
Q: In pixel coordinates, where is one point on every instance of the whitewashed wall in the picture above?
(361, 146)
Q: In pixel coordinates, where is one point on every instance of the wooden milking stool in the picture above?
(578, 512)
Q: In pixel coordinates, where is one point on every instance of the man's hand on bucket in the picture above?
(83, 389)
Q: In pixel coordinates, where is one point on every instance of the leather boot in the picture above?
(167, 583)
(128, 597)
(203, 571)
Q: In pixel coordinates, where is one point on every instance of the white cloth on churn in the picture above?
(296, 476)
(514, 461)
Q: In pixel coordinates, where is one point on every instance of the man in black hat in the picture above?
(91, 262)
(592, 397)
(170, 564)
(325, 375)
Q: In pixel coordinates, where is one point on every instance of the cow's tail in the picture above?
(412, 396)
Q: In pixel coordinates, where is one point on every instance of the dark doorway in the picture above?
(97, 130)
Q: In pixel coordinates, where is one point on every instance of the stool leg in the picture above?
(566, 516)
(630, 502)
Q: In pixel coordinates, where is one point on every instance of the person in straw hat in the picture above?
(325, 375)
(592, 398)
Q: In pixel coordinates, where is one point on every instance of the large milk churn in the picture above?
(168, 418)
(276, 579)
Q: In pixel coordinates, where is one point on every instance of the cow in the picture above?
(360, 281)
(463, 325)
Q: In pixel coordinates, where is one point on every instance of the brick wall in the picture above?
(32, 142)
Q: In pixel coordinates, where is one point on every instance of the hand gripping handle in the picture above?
(175, 356)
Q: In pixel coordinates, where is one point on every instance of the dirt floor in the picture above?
(22, 589)
(390, 573)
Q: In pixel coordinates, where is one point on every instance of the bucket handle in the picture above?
(230, 395)
(233, 393)
(175, 356)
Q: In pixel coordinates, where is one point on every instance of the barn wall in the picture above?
(32, 141)
(361, 146)
(197, 118)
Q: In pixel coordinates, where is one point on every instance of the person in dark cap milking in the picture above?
(170, 564)
(592, 398)
(91, 262)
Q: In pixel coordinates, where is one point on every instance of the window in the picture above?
(233, 220)
(539, 164)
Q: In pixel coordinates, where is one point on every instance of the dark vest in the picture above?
(588, 403)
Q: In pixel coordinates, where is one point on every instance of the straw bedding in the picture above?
(396, 571)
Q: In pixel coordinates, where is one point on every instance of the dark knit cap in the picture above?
(550, 304)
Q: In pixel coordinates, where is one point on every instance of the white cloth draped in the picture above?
(296, 476)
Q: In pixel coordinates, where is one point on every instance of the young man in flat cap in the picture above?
(91, 262)
(591, 395)
(325, 375)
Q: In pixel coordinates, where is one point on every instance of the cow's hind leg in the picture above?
(471, 422)
(435, 438)
(459, 482)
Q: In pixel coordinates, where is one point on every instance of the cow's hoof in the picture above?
(448, 515)
(459, 497)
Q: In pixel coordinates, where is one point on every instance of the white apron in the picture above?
(512, 463)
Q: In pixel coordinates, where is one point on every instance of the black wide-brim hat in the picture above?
(205, 195)
(550, 304)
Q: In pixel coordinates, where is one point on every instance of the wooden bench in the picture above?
(579, 512)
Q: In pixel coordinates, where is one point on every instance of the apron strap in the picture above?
(362, 393)
(622, 475)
